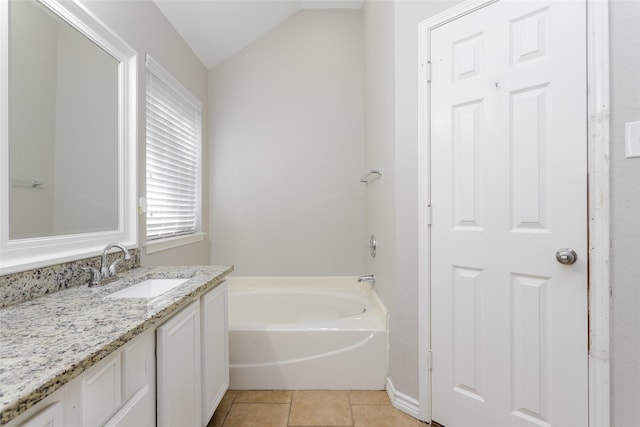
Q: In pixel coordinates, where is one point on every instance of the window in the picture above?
(174, 132)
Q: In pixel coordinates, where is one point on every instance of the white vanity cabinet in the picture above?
(193, 361)
(183, 364)
(117, 391)
(215, 349)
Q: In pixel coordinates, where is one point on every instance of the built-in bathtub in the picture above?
(306, 333)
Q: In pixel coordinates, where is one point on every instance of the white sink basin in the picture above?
(149, 288)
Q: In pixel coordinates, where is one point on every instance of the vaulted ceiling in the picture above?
(217, 29)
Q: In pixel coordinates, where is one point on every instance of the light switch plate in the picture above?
(632, 139)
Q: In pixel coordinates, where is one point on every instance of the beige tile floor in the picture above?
(309, 408)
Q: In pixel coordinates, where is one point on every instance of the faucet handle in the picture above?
(96, 277)
(114, 267)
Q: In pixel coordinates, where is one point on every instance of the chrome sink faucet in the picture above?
(107, 273)
(367, 278)
(110, 271)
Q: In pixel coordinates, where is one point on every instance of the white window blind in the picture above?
(174, 119)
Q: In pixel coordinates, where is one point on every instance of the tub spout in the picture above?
(367, 278)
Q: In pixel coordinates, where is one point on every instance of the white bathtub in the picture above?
(301, 333)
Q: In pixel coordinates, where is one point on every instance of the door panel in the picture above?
(508, 189)
(178, 367)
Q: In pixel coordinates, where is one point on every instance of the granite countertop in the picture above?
(48, 341)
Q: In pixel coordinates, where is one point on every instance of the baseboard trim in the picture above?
(403, 402)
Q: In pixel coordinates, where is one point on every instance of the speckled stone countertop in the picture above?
(48, 341)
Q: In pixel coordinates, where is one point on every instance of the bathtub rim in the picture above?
(338, 282)
(308, 283)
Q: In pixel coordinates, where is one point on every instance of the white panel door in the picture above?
(508, 189)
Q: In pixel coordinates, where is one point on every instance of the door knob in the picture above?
(566, 256)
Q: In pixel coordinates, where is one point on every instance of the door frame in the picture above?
(598, 175)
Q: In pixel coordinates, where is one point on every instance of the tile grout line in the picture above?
(226, 415)
(353, 421)
(290, 406)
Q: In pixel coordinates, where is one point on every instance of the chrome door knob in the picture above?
(566, 256)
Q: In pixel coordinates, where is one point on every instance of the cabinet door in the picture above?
(101, 389)
(215, 350)
(139, 373)
(134, 413)
(138, 367)
(178, 367)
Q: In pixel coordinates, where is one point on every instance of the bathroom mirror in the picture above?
(68, 137)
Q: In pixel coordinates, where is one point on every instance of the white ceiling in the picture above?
(217, 29)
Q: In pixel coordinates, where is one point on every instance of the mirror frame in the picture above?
(25, 254)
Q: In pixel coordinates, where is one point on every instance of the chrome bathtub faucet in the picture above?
(107, 273)
(371, 278)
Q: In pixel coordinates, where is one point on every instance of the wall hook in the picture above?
(365, 179)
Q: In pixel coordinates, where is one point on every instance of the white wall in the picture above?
(625, 214)
(287, 150)
(141, 25)
(404, 341)
(379, 143)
